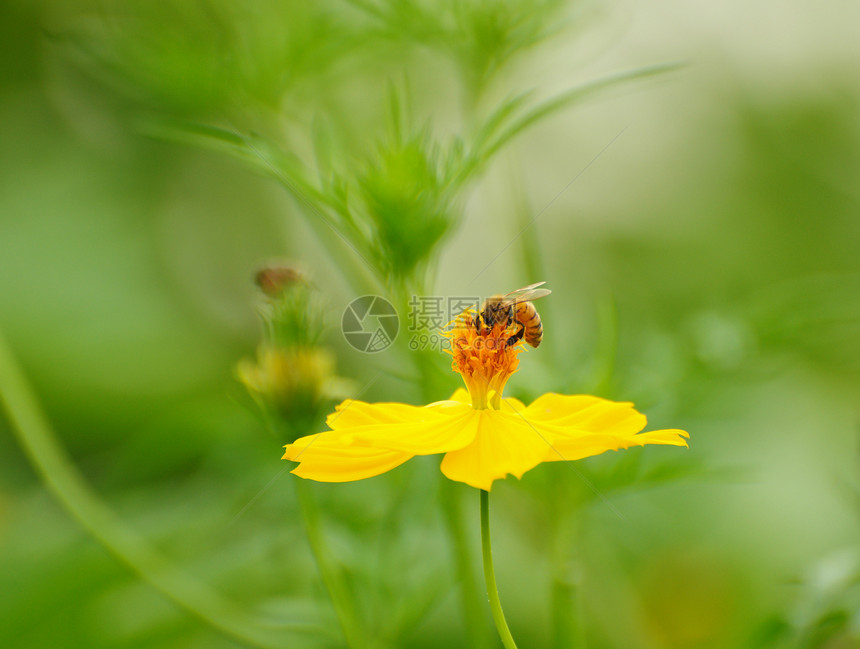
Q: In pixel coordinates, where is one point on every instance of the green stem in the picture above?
(490, 575)
(59, 475)
(480, 636)
(337, 590)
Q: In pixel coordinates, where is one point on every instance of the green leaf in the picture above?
(550, 106)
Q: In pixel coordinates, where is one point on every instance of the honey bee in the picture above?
(515, 306)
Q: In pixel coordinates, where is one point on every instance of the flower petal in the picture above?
(513, 406)
(581, 426)
(328, 457)
(440, 430)
(353, 413)
(439, 405)
(573, 445)
(586, 413)
(503, 443)
(461, 395)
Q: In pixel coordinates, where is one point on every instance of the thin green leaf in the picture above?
(550, 106)
(498, 118)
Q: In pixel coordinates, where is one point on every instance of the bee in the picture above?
(515, 306)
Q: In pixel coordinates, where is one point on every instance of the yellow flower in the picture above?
(296, 383)
(484, 437)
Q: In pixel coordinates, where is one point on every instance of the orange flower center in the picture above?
(483, 357)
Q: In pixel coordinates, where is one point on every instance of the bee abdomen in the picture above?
(527, 316)
(535, 336)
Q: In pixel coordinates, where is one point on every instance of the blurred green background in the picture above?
(700, 230)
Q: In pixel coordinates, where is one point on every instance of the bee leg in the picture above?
(479, 319)
(513, 340)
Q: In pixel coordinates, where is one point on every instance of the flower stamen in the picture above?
(483, 356)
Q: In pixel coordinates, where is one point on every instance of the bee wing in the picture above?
(525, 288)
(527, 293)
(531, 296)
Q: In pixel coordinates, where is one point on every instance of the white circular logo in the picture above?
(370, 323)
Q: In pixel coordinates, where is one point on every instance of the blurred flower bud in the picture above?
(295, 384)
(273, 280)
(292, 315)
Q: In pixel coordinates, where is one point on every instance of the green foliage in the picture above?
(189, 57)
(823, 613)
(400, 193)
(407, 202)
(481, 37)
(721, 232)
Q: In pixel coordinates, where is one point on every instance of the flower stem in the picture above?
(490, 575)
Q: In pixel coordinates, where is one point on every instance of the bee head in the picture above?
(497, 310)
